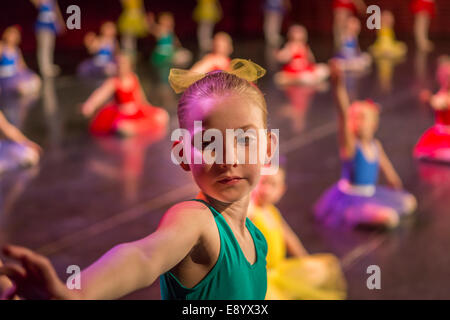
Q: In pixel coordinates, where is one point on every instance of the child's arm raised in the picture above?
(346, 138)
(98, 97)
(122, 270)
(388, 169)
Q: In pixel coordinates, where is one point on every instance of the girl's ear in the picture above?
(272, 146)
(178, 155)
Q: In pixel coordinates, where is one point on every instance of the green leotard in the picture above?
(232, 277)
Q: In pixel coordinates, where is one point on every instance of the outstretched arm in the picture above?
(122, 270)
(98, 97)
(346, 137)
(284, 55)
(388, 169)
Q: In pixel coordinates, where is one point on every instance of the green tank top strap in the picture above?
(233, 277)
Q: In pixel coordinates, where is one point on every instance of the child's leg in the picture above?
(373, 215)
(272, 27)
(46, 47)
(205, 32)
(409, 204)
(421, 27)
(29, 86)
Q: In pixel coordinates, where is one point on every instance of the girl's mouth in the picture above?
(230, 180)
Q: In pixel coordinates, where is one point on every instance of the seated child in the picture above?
(130, 114)
(386, 45)
(357, 199)
(300, 66)
(103, 48)
(15, 77)
(301, 276)
(219, 58)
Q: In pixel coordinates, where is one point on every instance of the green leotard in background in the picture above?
(232, 277)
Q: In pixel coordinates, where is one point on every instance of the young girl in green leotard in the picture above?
(205, 248)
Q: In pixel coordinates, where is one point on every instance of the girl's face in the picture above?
(298, 33)
(166, 21)
(387, 19)
(229, 182)
(109, 30)
(270, 189)
(353, 26)
(12, 37)
(364, 121)
(222, 45)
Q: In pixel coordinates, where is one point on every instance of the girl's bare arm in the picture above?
(388, 169)
(293, 244)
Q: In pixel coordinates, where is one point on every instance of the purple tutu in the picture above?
(11, 84)
(95, 69)
(333, 206)
(14, 155)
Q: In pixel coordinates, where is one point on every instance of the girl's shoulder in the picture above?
(190, 209)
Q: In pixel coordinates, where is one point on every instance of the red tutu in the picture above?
(145, 118)
(344, 4)
(299, 63)
(435, 142)
(420, 6)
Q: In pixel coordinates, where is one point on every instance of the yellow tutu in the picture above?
(313, 277)
(387, 46)
(207, 11)
(133, 20)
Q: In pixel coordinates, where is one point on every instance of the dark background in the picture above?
(242, 18)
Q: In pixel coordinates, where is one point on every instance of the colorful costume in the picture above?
(47, 18)
(207, 11)
(435, 142)
(351, 56)
(11, 76)
(14, 155)
(302, 69)
(100, 63)
(357, 189)
(128, 106)
(133, 21)
(312, 277)
(424, 6)
(232, 277)
(344, 4)
(387, 46)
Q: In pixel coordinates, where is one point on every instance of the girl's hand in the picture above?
(34, 278)
(34, 146)
(86, 110)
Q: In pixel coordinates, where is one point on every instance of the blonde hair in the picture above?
(216, 84)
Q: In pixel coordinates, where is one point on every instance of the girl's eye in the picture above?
(246, 140)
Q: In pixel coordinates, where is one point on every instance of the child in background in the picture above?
(357, 200)
(203, 249)
(18, 151)
(344, 9)
(49, 23)
(301, 276)
(299, 60)
(132, 25)
(103, 48)
(207, 13)
(219, 58)
(15, 77)
(435, 142)
(130, 114)
(274, 11)
(424, 11)
(350, 56)
(168, 51)
(386, 45)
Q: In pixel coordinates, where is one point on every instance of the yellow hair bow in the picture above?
(180, 79)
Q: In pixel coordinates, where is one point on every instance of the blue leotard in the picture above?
(359, 170)
(8, 63)
(350, 49)
(105, 54)
(47, 19)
